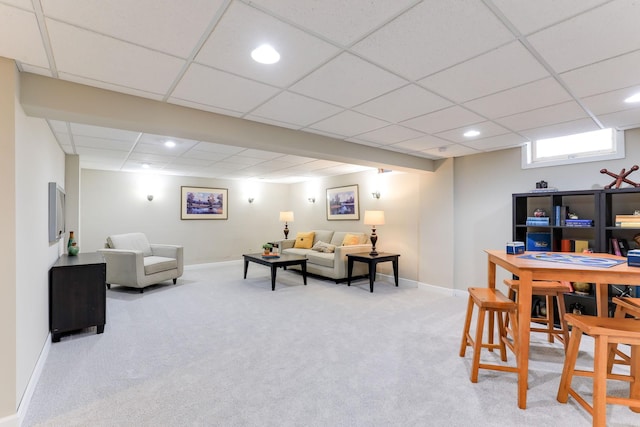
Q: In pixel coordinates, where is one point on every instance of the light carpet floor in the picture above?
(217, 350)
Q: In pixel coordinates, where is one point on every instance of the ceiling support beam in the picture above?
(56, 99)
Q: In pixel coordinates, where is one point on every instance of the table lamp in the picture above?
(286, 216)
(373, 218)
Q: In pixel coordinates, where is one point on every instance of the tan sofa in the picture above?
(332, 265)
(134, 262)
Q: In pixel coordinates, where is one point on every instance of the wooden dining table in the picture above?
(530, 266)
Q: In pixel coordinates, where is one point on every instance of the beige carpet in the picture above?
(217, 350)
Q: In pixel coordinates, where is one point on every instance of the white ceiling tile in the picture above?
(627, 119)
(340, 81)
(563, 112)
(204, 107)
(620, 72)
(102, 132)
(16, 24)
(119, 63)
(58, 126)
(295, 109)
(522, 98)
(390, 134)
(421, 144)
(102, 143)
(185, 161)
(163, 25)
(98, 153)
(486, 130)
(560, 129)
(448, 118)
(339, 20)
(223, 90)
(453, 150)
(218, 148)
(611, 102)
(529, 16)
(24, 4)
(499, 69)
(434, 35)
(404, 103)
(271, 122)
(497, 142)
(244, 28)
(259, 154)
(110, 86)
(348, 123)
(609, 30)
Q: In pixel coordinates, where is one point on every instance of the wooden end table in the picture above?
(372, 261)
(281, 261)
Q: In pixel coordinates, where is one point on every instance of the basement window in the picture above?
(604, 144)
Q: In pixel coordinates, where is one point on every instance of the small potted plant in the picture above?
(267, 248)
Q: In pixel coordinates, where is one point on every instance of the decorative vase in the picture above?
(72, 247)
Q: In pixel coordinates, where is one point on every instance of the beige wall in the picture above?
(482, 198)
(30, 158)
(8, 309)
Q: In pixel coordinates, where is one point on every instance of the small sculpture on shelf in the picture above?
(621, 177)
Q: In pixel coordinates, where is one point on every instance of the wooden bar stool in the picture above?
(605, 331)
(625, 307)
(496, 304)
(548, 290)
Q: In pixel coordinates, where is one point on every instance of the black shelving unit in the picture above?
(599, 205)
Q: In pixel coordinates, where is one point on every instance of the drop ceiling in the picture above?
(406, 76)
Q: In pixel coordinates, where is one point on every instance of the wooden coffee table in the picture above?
(281, 261)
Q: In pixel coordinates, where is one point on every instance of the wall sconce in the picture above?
(311, 199)
(149, 197)
(375, 194)
(250, 199)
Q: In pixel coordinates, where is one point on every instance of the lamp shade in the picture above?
(373, 217)
(286, 216)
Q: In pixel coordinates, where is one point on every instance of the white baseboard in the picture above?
(10, 421)
(31, 386)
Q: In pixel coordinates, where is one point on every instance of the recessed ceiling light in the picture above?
(265, 54)
(146, 166)
(170, 144)
(471, 133)
(633, 98)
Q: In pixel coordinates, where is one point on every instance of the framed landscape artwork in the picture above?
(342, 203)
(203, 203)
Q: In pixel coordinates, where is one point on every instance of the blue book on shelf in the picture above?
(540, 242)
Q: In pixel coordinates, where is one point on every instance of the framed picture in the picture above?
(342, 203)
(203, 203)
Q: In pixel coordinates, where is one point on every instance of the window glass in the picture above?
(583, 147)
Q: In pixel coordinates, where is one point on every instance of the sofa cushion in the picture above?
(322, 236)
(295, 251)
(131, 241)
(156, 264)
(323, 259)
(304, 240)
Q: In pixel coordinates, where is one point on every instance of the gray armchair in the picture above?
(134, 262)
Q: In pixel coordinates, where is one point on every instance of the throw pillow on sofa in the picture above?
(324, 247)
(304, 240)
(351, 239)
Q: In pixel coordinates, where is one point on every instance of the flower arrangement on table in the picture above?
(267, 248)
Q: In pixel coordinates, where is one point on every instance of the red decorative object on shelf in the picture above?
(621, 177)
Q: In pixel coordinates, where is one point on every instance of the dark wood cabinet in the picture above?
(77, 294)
(599, 205)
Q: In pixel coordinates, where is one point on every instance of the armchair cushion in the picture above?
(131, 241)
(156, 264)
